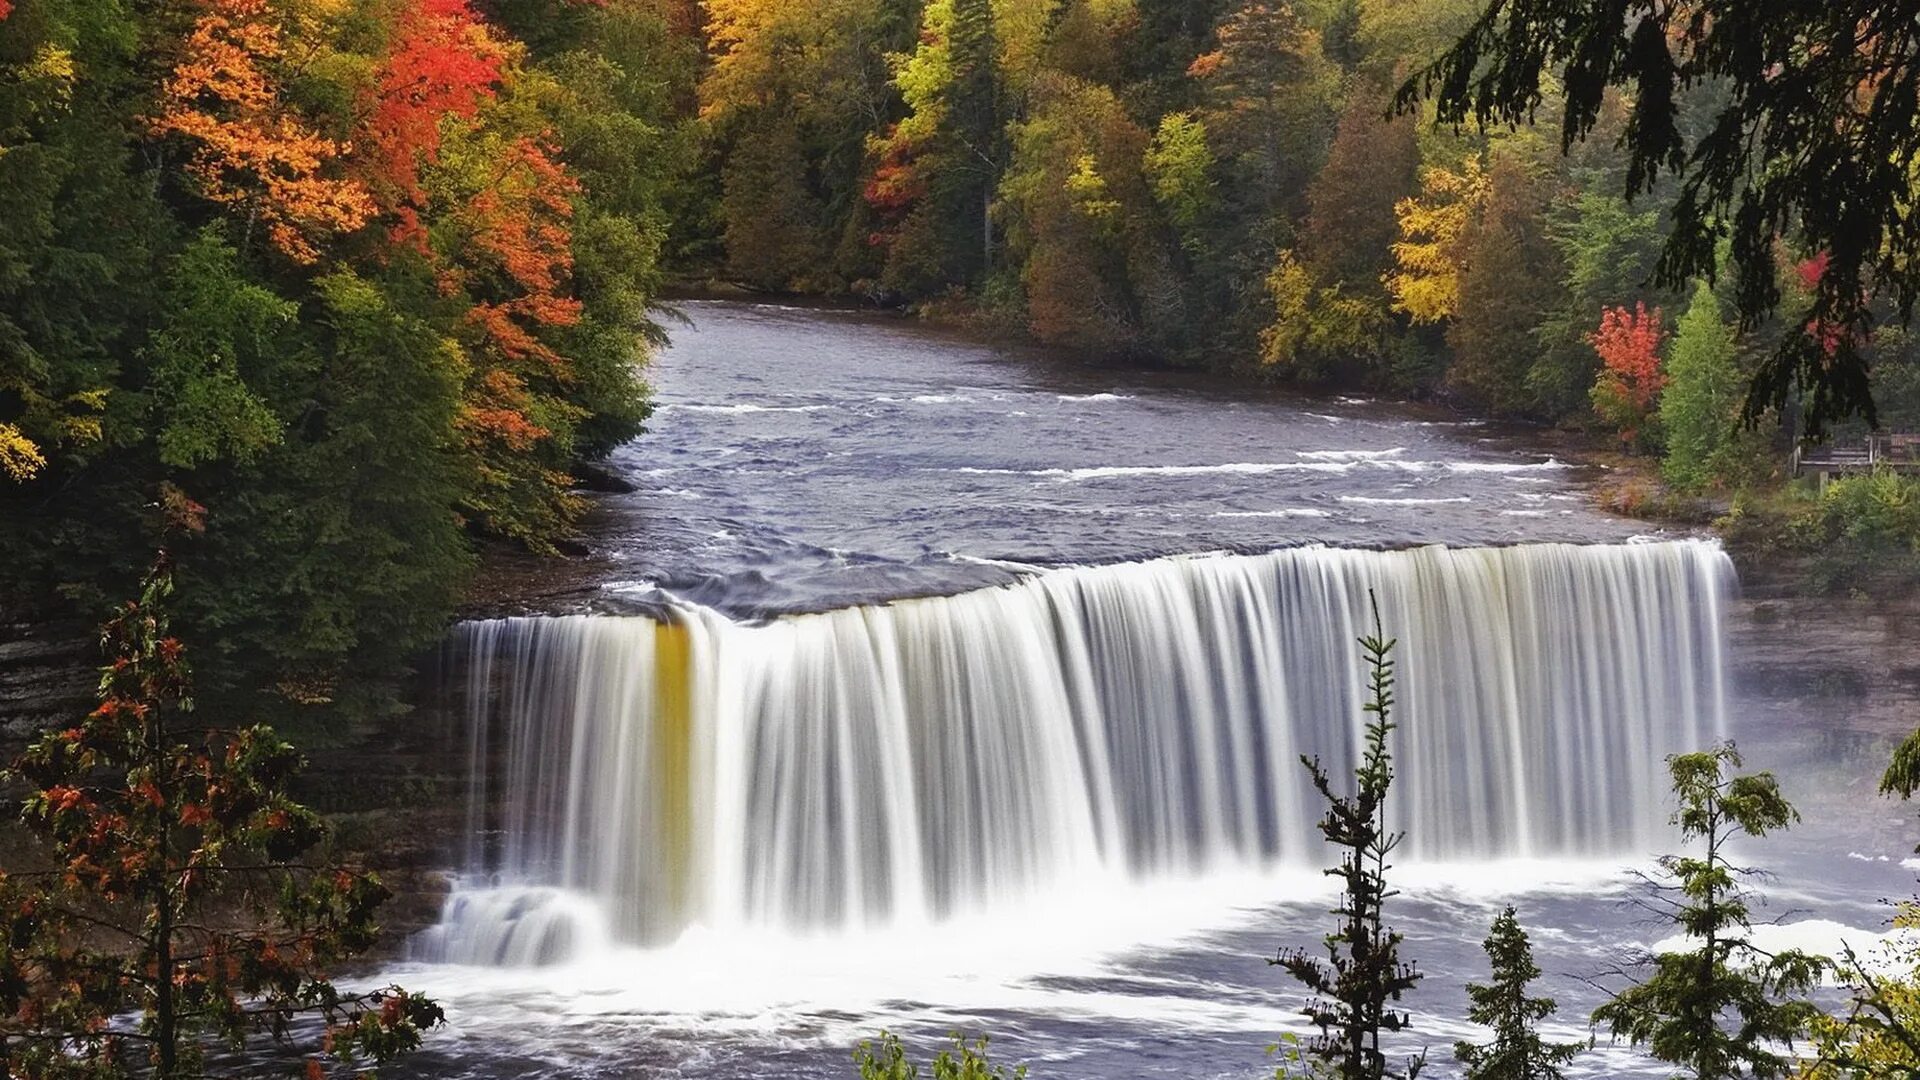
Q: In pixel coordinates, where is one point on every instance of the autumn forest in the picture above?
(315, 314)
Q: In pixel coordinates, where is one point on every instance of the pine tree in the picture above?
(1700, 408)
(1717, 1010)
(973, 123)
(1517, 1052)
(1362, 973)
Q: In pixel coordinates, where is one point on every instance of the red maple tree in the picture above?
(1628, 388)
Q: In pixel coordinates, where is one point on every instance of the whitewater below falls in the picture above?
(927, 687)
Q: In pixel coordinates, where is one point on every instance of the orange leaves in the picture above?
(496, 411)
(1629, 346)
(250, 149)
(1628, 388)
(519, 228)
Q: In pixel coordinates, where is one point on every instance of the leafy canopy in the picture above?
(1813, 135)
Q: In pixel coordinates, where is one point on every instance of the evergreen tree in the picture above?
(1719, 1009)
(1362, 974)
(1700, 407)
(1517, 1052)
(1509, 280)
(974, 127)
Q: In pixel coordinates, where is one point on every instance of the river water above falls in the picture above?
(928, 686)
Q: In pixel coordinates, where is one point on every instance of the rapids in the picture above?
(925, 685)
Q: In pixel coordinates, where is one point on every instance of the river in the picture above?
(926, 685)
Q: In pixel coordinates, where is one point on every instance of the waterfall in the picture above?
(915, 760)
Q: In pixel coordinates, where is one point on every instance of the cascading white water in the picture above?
(908, 761)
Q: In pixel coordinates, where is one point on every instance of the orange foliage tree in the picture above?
(249, 148)
(1627, 393)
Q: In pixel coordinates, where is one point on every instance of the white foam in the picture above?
(1352, 455)
(1368, 500)
(1287, 512)
(1323, 462)
(1095, 397)
(744, 408)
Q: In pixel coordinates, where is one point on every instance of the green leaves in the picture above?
(1517, 1052)
(1362, 974)
(961, 1061)
(1719, 1008)
(220, 326)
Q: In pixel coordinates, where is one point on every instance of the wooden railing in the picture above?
(1894, 450)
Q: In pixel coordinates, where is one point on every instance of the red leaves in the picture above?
(1628, 389)
(445, 63)
(62, 798)
(6, 9)
(1629, 346)
(1811, 271)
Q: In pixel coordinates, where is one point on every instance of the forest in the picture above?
(370, 279)
(309, 307)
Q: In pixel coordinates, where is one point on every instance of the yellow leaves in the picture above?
(81, 422)
(1089, 191)
(20, 459)
(1426, 282)
(250, 149)
(1290, 287)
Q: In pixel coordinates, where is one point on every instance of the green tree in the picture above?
(1517, 1051)
(1609, 251)
(1815, 138)
(961, 1061)
(1510, 275)
(159, 828)
(1719, 1007)
(1878, 1037)
(1362, 974)
(1700, 406)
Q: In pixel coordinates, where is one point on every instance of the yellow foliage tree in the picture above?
(1425, 281)
(1879, 1038)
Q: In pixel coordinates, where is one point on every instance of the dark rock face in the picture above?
(46, 677)
(1823, 688)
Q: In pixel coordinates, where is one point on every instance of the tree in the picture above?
(1509, 278)
(248, 148)
(1371, 167)
(1627, 392)
(1718, 1008)
(1699, 409)
(1878, 1038)
(963, 1061)
(1517, 1052)
(159, 831)
(1179, 165)
(1362, 973)
(1425, 281)
(1609, 251)
(1815, 137)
